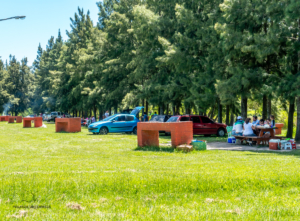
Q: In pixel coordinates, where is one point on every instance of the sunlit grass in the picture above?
(111, 179)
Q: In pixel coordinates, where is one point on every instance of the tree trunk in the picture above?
(178, 109)
(297, 138)
(269, 106)
(231, 117)
(147, 107)
(161, 110)
(167, 109)
(143, 105)
(289, 133)
(186, 109)
(173, 110)
(95, 112)
(212, 112)
(265, 102)
(227, 114)
(220, 112)
(244, 107)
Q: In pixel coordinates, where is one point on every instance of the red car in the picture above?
(202, 125)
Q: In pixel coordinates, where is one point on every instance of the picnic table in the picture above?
(260, 139)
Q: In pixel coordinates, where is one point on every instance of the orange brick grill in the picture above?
(38, 121)
(148, 133)
(11, 119)
(70, 125)
(2, 118)
(279, 128)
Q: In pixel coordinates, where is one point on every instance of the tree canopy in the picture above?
(192, 56)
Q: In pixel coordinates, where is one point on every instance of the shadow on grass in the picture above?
(295, 153)
(156, 149)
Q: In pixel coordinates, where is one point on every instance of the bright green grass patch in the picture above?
(112, 180)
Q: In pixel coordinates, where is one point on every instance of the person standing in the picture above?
(145, 118)
(106, 114)
(93, 119)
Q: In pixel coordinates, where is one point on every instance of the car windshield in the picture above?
(54, 113)
(173, 119)
(109, 118)
(158, 118)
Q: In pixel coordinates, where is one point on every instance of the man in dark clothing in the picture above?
(145, 118)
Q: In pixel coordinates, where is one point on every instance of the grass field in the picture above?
(91, 177)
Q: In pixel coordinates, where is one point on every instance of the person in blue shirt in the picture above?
(255, 121)
(145, 118)
(272, 120)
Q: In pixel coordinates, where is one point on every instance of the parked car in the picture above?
(57, 114)
(202, 125)
(117, 123)
(30, 116)
(160, 118)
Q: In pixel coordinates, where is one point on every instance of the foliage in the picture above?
(195, 56)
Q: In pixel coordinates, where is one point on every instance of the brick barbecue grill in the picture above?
(148, 133)
(38, 121)
(12, 119)
(70, 125)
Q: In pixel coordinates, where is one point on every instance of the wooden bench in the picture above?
(258, 140)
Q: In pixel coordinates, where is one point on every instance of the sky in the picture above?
(44, 18)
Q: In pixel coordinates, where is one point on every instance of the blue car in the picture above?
(117, 123)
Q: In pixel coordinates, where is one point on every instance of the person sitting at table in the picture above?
(261, 124)
(272, 121)
(248, 131)
(238, 127)
(255, 120)
(268, 122)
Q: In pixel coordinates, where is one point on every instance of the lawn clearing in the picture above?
(93, 177)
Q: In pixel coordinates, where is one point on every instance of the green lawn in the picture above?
(111, 179)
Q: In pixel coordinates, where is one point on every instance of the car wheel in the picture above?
(221, 132)
(134, 131)
(103, 131)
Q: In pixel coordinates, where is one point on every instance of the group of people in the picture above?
(88, 120)
(246, 128)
